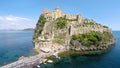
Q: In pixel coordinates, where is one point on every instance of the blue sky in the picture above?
(20, 14)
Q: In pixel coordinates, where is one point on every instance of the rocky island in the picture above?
(70, 33)
(58, 35)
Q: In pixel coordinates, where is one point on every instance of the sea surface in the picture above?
(14, 44)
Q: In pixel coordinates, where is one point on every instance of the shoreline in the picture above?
(38, 59)
(67, 53)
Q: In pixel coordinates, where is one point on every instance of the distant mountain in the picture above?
(29, 29)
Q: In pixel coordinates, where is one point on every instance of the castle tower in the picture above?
(80, 19)
(45, 11)
(58, 12)
(57, 9)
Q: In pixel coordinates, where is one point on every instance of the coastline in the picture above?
(68, 53)
(33, 61)
(92, 52)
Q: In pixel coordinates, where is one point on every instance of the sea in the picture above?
(14, 44)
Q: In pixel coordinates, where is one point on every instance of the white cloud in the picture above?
(15, 22)
(11, 18)
(16, 19)
(1, 18)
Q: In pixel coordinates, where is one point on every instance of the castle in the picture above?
(76, 20)
(76, 23)
(52, 37)
(57, 13)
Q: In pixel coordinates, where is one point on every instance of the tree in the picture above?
(39, 26)
(92, 38)
(61, 22)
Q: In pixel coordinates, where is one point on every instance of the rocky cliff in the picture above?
(56, 29)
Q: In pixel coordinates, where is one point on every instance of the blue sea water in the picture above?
(14, 44)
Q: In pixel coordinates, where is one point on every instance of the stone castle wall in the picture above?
(53, 15)
(70, 16)
(82, 30)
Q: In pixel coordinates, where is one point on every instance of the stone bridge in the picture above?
(29, 62)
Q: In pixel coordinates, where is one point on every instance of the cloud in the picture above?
(11, 18)
(15, 22)
(16, 19)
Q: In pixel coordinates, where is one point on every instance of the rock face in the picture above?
(56, 29)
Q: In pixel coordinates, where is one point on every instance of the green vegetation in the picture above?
(61, 22)
(78, 53)
(39, 26)
(105, 26)
(52, 57)
(92, 38)
(72, 19)
(89, 23)
(107, 37)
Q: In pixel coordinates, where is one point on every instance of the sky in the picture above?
(20, 14)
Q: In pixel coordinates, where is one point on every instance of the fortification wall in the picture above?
(53, 15)
(70, 16)
(82, 30)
